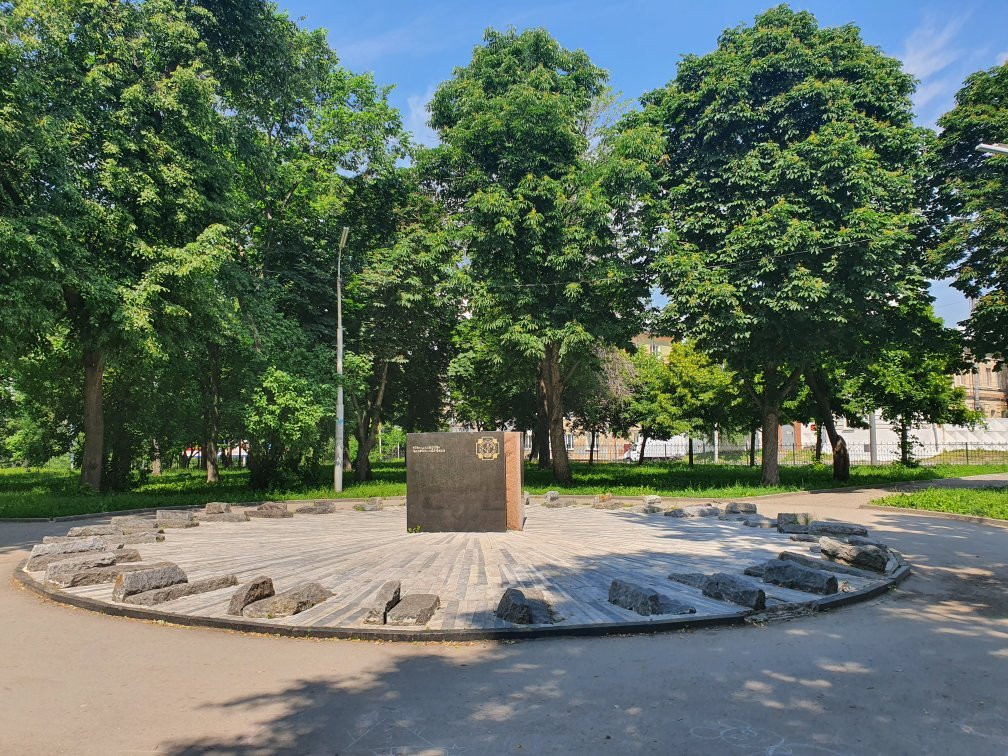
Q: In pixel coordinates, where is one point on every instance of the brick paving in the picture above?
(570, 554)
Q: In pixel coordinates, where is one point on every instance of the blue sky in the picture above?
(415, 45)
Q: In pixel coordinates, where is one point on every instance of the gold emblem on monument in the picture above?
(487, 447)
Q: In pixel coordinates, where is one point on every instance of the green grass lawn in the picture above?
(985, 502)
(53, 492)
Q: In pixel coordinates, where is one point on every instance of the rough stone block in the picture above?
(652, 499)
(413, 609)
(514, 608)
(134, 524)
(675, 512)
(863, 541)
(654, 508)
(609, 504)
(256, 589)
(138, 581)
(755, 570)
(558, 503)
(692, 579)
(789, 574)
(216, 507)
(738, 590)
(828, 527)
(644, 601)
(701, 511)
(796, 529)
(373, 504)
(794, 518)
(867, 557)
(759, 521)
(139, 536)
(805, 538)
(740, 507)
(287, 603)
(318, 507)
(180, 590)
(824, 564)
(97, 575)
(71, 546)
(551, 496)
(126, 555)
(92, 530)
(171, 518)
(225, 517)
(62, 573)
(383, 599)
(270, 510)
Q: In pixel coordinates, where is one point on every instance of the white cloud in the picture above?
(414, 38)
(930, 47)
(418, 115)
(1002, 58)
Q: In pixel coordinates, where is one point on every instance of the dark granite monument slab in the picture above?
(463, 482)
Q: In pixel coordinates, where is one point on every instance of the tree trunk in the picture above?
(752, 448)
(212, 418)
(367, 429)
(553, 389)
(771, 423)
(94, 421)
(542, 432)
(155, 458)
(904, 442)
(818, 442)
(643, 447)
(820, 392)
(690, 446)
(591, 449)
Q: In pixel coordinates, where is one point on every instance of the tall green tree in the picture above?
(790, 184)
(680, 393)
(912, 384)
(554, 263)
(130, 101)
(600, 395)
(970, 212)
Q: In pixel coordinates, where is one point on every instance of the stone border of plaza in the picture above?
(975, 519)
(825, 603)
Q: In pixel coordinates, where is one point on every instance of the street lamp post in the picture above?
(338, 455)
(994, 148)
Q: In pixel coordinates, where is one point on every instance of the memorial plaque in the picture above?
(463, 482)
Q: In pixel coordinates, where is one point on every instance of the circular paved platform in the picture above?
(569, 554)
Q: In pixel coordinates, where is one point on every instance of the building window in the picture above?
(569, 440)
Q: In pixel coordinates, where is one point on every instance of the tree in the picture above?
(680, 393)
(789, 184)
(555, 263)
(912, 384)
(402, 307)
(132, 106)
(970, 212)
(600, 395)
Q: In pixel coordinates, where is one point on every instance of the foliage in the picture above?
(790, 183)
(681, 393)
(601, 393)
(912, 384)
(554, 266)
(970, 213)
